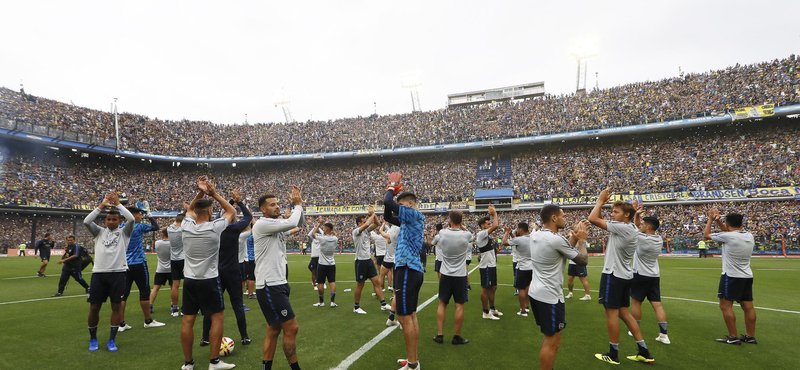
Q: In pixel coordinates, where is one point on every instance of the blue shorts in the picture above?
(365, 270)
(615, 292)
(577, 270)
(274, 303)
(407, 283)
(551, 318)
(735, 289)
(437, 266)
(488, 277)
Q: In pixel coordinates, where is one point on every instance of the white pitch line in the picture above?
(52, 298)
(19, 277)
(366, 347)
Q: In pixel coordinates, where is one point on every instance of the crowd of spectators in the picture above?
(732, 157)
(26, 108)
(775, 81)
(65, 180)
(729, 157)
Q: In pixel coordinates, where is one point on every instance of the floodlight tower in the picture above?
(582, 55)
(411, 81)
(283, 100)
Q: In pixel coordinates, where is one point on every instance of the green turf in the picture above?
(52, 333)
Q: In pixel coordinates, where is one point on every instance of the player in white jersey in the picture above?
(549, 252)
(523, 270)
(380, 251)
(488, 264)
(201, 291)
(176, 257)
(615, 283)
(164, 268)
(435, 245)
(646, 274)
(736, 282)
(581, 272)
(365, 269)
(328, 244)
(314, 263)
(110, 266)
(272, 287)
(453, 246)
(389, 233)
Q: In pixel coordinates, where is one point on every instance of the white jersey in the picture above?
(314, 244)
(163, 250)
(243, 245)
(110, 245)
(737, 248)
(328, 244)
(620, 249)
(549, 252)
(435, 244)
(394, 232)
(269, 244)
(488, 258)
(201, 246)
(380, 243)
(521, 246)
(176, 243)
(455, 245)
(645, 261)
(361, 242)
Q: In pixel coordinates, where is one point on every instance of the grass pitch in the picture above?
(44, 333)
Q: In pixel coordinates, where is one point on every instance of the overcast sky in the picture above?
(220, 60)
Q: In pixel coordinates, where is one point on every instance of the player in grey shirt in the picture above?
(488, 264)
(365, 269)
(176, 262)
(523, 274)
(164, 267)
(110, 264)
(549, 253)
(736, 282)
(328, 244)
(454, 244)
(312, 265)
(201, 292)
(273, 289)
(615, 283)
(646, 274)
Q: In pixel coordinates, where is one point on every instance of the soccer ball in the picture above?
(226, 346)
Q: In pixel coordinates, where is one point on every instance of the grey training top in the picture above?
(201, 246)
(454, 245)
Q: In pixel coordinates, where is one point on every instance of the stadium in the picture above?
(683, 150)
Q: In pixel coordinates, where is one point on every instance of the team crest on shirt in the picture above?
(111, 239)
(284, 313)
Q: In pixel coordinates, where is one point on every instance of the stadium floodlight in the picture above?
(116, 122)
(283, 100)
(411, 81)
(582, 53)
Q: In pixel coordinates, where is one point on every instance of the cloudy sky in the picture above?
(220, 60)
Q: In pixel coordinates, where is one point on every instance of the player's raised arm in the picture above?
(229, 212)
(506, 235)
(713, 215)
(88, 222)
(495, 220)
(580, 232)
(639, 212)
(596, 217)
